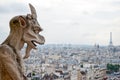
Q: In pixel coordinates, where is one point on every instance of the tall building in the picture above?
(111, 47)
(110, 43)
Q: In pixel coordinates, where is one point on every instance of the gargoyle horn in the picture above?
(33, 11)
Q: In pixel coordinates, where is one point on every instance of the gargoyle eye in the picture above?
(37, 29)
(34, 21)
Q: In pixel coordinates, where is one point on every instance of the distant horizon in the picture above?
(78, 44)
(64, 43)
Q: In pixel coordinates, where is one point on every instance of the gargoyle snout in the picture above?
(41, 39)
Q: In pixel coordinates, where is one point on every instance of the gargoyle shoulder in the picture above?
(6, 51)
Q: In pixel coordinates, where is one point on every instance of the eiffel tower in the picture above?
(110, 43)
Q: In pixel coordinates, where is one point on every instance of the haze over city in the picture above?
(68, 21)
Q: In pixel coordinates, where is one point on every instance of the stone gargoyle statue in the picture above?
(23, 29)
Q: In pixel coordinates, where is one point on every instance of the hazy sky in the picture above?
(68, 21)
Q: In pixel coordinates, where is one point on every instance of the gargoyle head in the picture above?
(31, 34)
(30, 30)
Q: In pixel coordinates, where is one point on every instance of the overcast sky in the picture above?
(68, 21)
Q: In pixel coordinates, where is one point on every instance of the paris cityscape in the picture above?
(74, 62)
(81, 38)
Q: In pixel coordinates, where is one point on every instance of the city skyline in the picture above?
(68, 21)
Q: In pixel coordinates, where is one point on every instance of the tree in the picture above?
(113, 67)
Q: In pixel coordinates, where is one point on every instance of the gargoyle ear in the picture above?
(22, 22)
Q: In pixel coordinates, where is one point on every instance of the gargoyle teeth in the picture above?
(34, 43)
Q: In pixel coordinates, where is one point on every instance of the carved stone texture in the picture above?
(23, 29)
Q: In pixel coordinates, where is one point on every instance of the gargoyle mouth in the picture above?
(34, 43)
